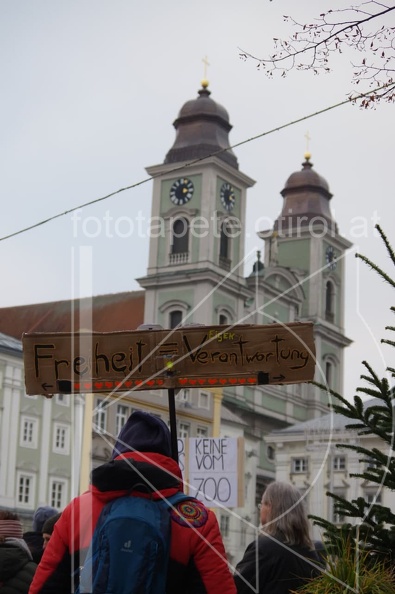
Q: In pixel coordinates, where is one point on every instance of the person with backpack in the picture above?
(134, 531)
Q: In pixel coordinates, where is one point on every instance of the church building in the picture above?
(195, 275)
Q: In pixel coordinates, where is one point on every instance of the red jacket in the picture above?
(198, 562)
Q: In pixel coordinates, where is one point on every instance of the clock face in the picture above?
(181, 191)
(330, 257)
(227, 195)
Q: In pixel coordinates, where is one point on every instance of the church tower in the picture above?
(196, 273)
(305, 243)
(196, 255)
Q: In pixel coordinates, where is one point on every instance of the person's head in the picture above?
(10, 525)
(143, 432)
(48, 528)
(41, 515)
(284, 515)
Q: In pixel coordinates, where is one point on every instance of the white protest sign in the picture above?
(214, 471)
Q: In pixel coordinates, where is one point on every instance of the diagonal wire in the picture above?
(189, 163)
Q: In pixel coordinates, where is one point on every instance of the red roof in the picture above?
(102, 313)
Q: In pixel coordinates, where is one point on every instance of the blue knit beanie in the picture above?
(143, 432)
(41, 515)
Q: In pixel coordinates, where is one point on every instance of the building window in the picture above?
(62, 399)
(204, 400)
(184, 395)
(339, 463)
(29, 432)
(224, 525)
(61, 439)
(271, 453)
(371, 464)
(224, 241)
(183, 430)
(175, 319)
(329, 373)
(13, 375)
(201, 432)
(373, 497)
(25, 494)
(329, 301)
(100, 416)
(57, 493)
(223, 320)
(180, 243)
(224, 247)
(299, 465)
(121, 417)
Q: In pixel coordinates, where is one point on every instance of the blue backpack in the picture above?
(129, 551)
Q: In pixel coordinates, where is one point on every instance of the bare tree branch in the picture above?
(311, 46)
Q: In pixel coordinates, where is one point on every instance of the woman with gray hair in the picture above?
(282, 557)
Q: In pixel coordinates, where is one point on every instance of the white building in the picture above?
(308, 456)
(35, 441)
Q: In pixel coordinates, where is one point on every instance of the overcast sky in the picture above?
(90, 90)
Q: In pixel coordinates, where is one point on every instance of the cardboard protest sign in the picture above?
(201, 356)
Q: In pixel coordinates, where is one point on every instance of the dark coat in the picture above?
(277, 569)
(16, 569)
(34, 541)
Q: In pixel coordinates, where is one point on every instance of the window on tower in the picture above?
(329, 301)
(180, 241)
(330, 370)
(224, 246)
(175, 318)
(329, 373)
(224, 242)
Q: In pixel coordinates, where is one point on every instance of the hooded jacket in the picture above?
(197, 563)
(16, 567)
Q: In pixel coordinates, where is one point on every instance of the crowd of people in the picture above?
(47, 559)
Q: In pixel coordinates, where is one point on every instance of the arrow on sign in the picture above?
(46, 386)
(279, 377)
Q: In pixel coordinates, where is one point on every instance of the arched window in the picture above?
(329, 373)
(329, 301)
(224, 241)
(330, 370)
(180, 243)
(225, 245)
(225, 315)
(223, 320)
(175, 318)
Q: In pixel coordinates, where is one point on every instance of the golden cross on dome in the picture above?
(206, 64)
(307, 154)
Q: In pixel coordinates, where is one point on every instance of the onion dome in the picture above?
(306, 200)
(202, 129)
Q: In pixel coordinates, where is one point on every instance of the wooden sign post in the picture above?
(197, 356)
